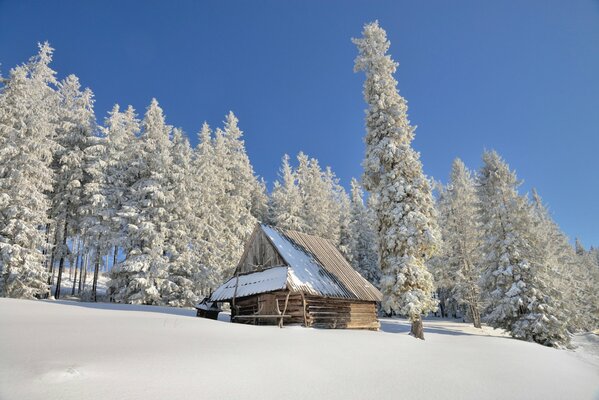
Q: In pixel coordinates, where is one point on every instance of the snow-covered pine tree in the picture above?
(315, 194)
(27, 107)
(239, 182)
(94, 223)
(340, 209)
(514, 282)
(146, 211)
(121, 130)
(393, 173)
(178, 288)
(75, 128)
(564, 272)
(458, 213)
(208, 243)
(285, 206)
(363, 237)
(244, 183)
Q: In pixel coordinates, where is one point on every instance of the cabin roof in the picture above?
(314, 266)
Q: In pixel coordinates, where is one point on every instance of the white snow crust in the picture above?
(69, 350)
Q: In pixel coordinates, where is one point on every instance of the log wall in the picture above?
(311, 311)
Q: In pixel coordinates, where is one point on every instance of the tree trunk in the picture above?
(85, 268)
(95, 282)
(61, 263)
(81, 261)
(417, 329)
(52, 256)
(114, 256)
(76, 264)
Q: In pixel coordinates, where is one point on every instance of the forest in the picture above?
(129, 196)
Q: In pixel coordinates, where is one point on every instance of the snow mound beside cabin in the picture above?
(68, 350)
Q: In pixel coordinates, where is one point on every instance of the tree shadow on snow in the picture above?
(403, 326)
(126, 307)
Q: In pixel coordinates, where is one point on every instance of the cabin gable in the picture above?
(259, 254)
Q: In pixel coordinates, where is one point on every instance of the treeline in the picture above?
(132, 195)
(495, 255)
(503, 257)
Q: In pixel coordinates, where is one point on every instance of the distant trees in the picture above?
(406, 219)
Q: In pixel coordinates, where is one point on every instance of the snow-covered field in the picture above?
(68, 350)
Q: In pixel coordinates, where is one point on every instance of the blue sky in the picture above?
(518, 77)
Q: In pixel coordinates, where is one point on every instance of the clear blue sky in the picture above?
(518, 77)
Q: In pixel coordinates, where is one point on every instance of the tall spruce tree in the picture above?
(515, 286)
(364, 255)
(458, 213)
(121, 130)
(146, 210)
(285, 206)
(75, 129)
(27, 115)
(178, 288)
(392, 171)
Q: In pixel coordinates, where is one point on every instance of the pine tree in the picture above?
(208, 242)
(94, 219)
(315, 195)
(75, 127)
(146, 210)
(285, 207)
(178, 288)
(364, 255)
(457, 218)
(392, 171)
(27, 106)
(514, 280)
(121, 130)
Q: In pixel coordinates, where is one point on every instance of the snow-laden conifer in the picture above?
(393, 173)
(285, 207)
(364, 255)
(179, 288)
(27, 115)
(458, 215)
(514, 279)
(75, 128)
(146, 210)
(208, 242)
(121, 129)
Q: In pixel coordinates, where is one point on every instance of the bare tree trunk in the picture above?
(76, 265)
(95, 282)
(52, 257)
(61, 263)
(75, 251)
(417, 329)
(81, 261)
(47, 246)
(85, 268)
(114, 256)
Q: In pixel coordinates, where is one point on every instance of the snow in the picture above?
(69, 350)
(268, 280)
(305, 274)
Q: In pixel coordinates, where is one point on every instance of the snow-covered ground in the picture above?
(68, 350)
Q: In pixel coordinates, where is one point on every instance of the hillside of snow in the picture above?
(69, 350)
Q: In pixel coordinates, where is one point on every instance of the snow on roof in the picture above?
(313, 266)
(264, 281)
(305, 273)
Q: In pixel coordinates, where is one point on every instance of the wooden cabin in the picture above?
(287, 277)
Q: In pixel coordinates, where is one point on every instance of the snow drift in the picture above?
(69, 350)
